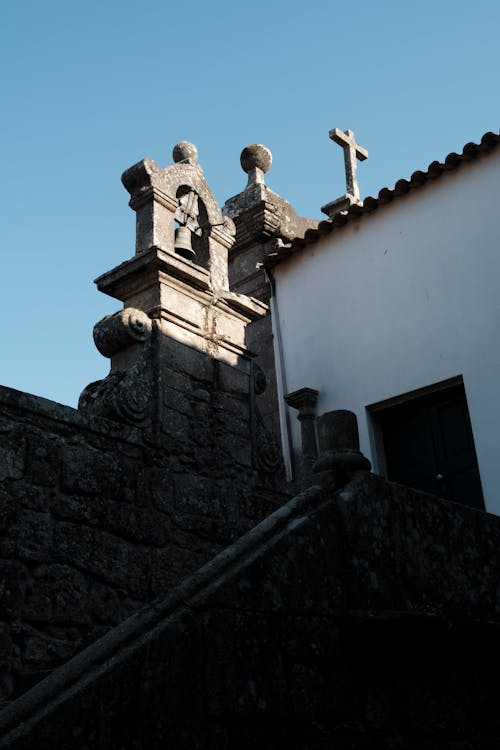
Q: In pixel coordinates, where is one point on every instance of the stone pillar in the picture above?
(304, 400)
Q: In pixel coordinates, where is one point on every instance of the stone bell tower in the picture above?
(180, 366)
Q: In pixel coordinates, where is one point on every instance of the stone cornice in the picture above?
(304, 399)
(249, 307)
(167, 266)
(138, 200)
(209, 341)
(154, 259)
(260, 214)
(225, 234)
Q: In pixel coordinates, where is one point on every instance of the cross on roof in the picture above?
(352, 151)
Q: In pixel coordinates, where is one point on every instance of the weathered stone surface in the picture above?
(178, 380)
(261, 218)
(416, 552)
(105, 605)
(67, 591)
(156, 486)
(176, 425)
(256, 156)
(13, 577)
(232, 424)
(121, 330)
(174, 399)
(216, 531)
(33, 532)
(6, 681)
(233, 666)
(46, 651)
(175, 289)
(90, 472)
(259, 213)
(105, 556)
(256, 506)
(28, 496)
(352, 152)
(185, 151)
(12, 459)
(169, 565)
(97, 518)
(126, 395)
(232, 380)
(195, 494)
(304, 400)
(7, 510)
(44, 462)
(182, 359)
(285, 640)
(139, 525)
(231, 404)
(339, 456)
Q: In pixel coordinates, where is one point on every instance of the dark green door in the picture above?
(429, 445)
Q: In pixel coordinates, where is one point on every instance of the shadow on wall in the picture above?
(102, 514)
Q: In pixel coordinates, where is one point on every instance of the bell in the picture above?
(182, 245)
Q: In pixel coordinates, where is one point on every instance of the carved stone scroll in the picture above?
(115, 332)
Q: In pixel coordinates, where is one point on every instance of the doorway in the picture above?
(428, 443)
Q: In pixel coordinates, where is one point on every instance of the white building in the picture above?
(392, 310)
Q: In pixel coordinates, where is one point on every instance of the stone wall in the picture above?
(100, 517)
(358, 619)
(168, 459)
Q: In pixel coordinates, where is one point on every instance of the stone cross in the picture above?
(352, 151)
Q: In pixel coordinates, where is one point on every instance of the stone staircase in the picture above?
(358, 618)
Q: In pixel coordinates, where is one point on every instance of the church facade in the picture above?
(391, 310)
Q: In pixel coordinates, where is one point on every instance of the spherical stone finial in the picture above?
(256, 156)
(185, 151)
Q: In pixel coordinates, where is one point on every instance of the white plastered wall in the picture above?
(400, 299)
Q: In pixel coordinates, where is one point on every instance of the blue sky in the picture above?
(90, 88)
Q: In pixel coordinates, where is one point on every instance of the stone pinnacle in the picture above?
(185, 151)
(255, 161)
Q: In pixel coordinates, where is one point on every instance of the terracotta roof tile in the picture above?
(470, 151)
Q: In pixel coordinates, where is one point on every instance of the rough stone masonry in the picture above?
(359, 615)
(167, 459)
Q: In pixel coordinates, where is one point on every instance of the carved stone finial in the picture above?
(339, 454)
(255, 160)
(338, 431)
(185, 151)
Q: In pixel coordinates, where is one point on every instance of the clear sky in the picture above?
(88, 89)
